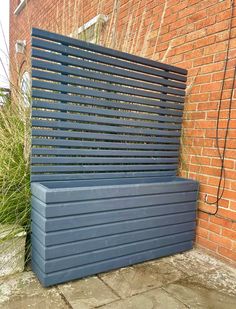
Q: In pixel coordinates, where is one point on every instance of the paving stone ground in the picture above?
(189, 280)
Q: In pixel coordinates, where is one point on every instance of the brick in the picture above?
(203, 60)
(222, 241)
(203, 216)
(196, 53)
(184, 48)
(212, 86)
(223, 15)
(210, 20)
(186, 12)
(194, 35)
(202, 232)
(199, 97)
(203, 79)
(207, 243)
(197, 16)
(221, 222)
(215, 48)
(212, 67)
(230, 234)
(204, 42)
(227, 253)
(227, 213)
(214, 228)
(221, 26)
(177, 23)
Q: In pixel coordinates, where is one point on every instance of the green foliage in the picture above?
(14, 167)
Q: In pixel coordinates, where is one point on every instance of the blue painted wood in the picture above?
(96, 256)
(146, 104)
(60, 68)
(54, 37)
(64, 60)
(130, 103)
(46, 76)
(52, 239)
(92, 175)
(57, 224)
(75, 249)
(85, 207)
(105, 144)
(94, 268)
(113, 61)
(110, 112)
(84, 243)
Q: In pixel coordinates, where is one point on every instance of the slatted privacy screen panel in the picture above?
(101, 113)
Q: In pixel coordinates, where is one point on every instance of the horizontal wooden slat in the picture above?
(79, 126)
(137, 181)
(102, 175)
(96, 67)
(100, 152)
(131, 95)
(107, 112)
(153, 105)
(101, 205)
(116, 62)
(110, 188)
(109, 145)
(102, 136)
(107, 51)
(44, 75)
(67, 249)
(51, 267)
(98, 243)
(92, 168)
(108, 265)
(57, 238)
(104, 160)
(94, 119)
(70, 222)
(135, 82)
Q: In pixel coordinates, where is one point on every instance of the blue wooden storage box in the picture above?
(105, 144)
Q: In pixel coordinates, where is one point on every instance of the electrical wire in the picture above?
(219, 194)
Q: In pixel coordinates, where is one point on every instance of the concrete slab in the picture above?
(156, 298)
(140, 278)
(87, 293)
(193, 262)
(215, 289)
(24, 291)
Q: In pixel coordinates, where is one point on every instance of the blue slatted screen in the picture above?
(101, 113)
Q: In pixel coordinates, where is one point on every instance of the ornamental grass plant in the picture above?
(14, 169)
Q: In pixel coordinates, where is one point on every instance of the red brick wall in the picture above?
(192, 34)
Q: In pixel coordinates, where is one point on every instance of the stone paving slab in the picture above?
(156, 298)
(140, 278)
(87, 293)
(191, 280)
(214, 290)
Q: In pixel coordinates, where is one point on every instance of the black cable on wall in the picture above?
(220, 192)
